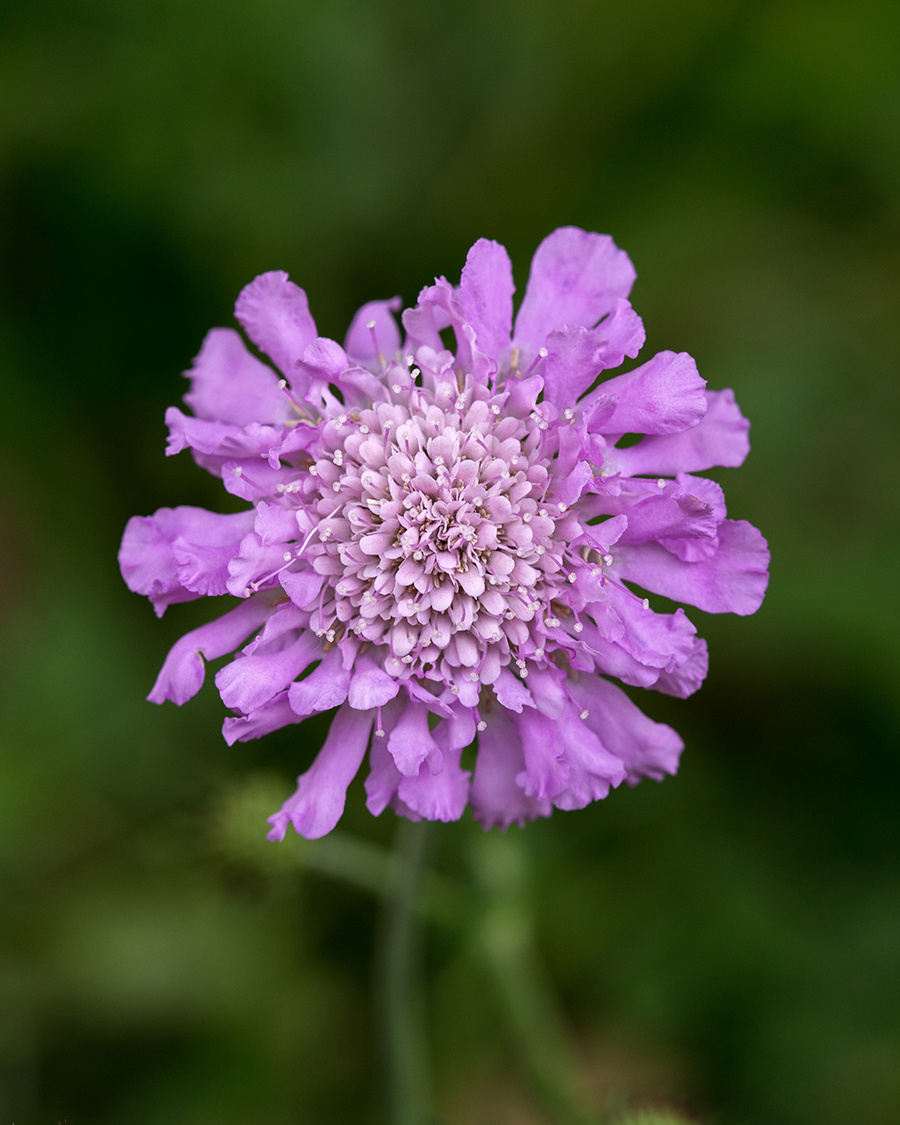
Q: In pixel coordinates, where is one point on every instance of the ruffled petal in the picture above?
(228, 384)
(250, 681)
(274, 312)
(665, 395)
(318, 803)
(438, 796)
(496, 800)
(546, 772)
(485, 294)
(576, 278)
(593, 770)
(325, 687)
(270, 717)
(183, 671)
(687, 677)
(646, 748)
(659, 517)
(411, 742)
(734, 580)
(719, 438)
(577, 355)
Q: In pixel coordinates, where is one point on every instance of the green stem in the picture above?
(401, 1005)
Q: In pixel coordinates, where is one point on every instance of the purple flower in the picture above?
(444, 546)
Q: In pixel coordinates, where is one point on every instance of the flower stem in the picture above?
(401, 1003)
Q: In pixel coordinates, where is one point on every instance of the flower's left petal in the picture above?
(270, 717)
(496, 799)
(318, 803)
(646, 748)
(485, 294)
(734, 580)
(576, 278)
(182, 673)
(325, 687)
(228, 384)
(248, 682)
(665, 395)
(220, 439)
(361, 340)
(274, 312)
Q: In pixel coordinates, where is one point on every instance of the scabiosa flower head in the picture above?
(454, 545)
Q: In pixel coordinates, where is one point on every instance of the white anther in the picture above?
(495, 409)
(341, 588)
(379, 733)
(571, 578)
(454, 690)
(505, 474)
(526, 518)
(439, 460)
(336, 487)
(410, 360)
(539, 654)
(415, 372)
(396, 388)
(238, 471)
(313, 471)
(363, 429)
(584, 714)
(660, 483)
(473, 676)
(418, 556)
(543, 513)
(543, 353)
(596, 571)
(329, 636)
(282, 383)
(370, 324)
(287, 556)
(646, 603)
(608, 559)
(481, 725)
(509, 615)
(407, 660)
(579, 627)
(568, 414)
(562, 508)
(540, 549)
(388, 422)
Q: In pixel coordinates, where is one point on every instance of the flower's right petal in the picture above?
(577, 355)
(496, 799)
(648, 749)
(665, 395)
(734, 580)
(360, 345)
(318, 803)
(228, 384)
(687, 677)
(182, 673)
(485, 294)
(576, 278)
(719, 438)
(274, 312)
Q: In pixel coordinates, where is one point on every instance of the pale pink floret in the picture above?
(443, 545)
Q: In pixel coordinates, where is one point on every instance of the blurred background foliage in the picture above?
(728, 942)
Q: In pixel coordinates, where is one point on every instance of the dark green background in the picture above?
(729, 940)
